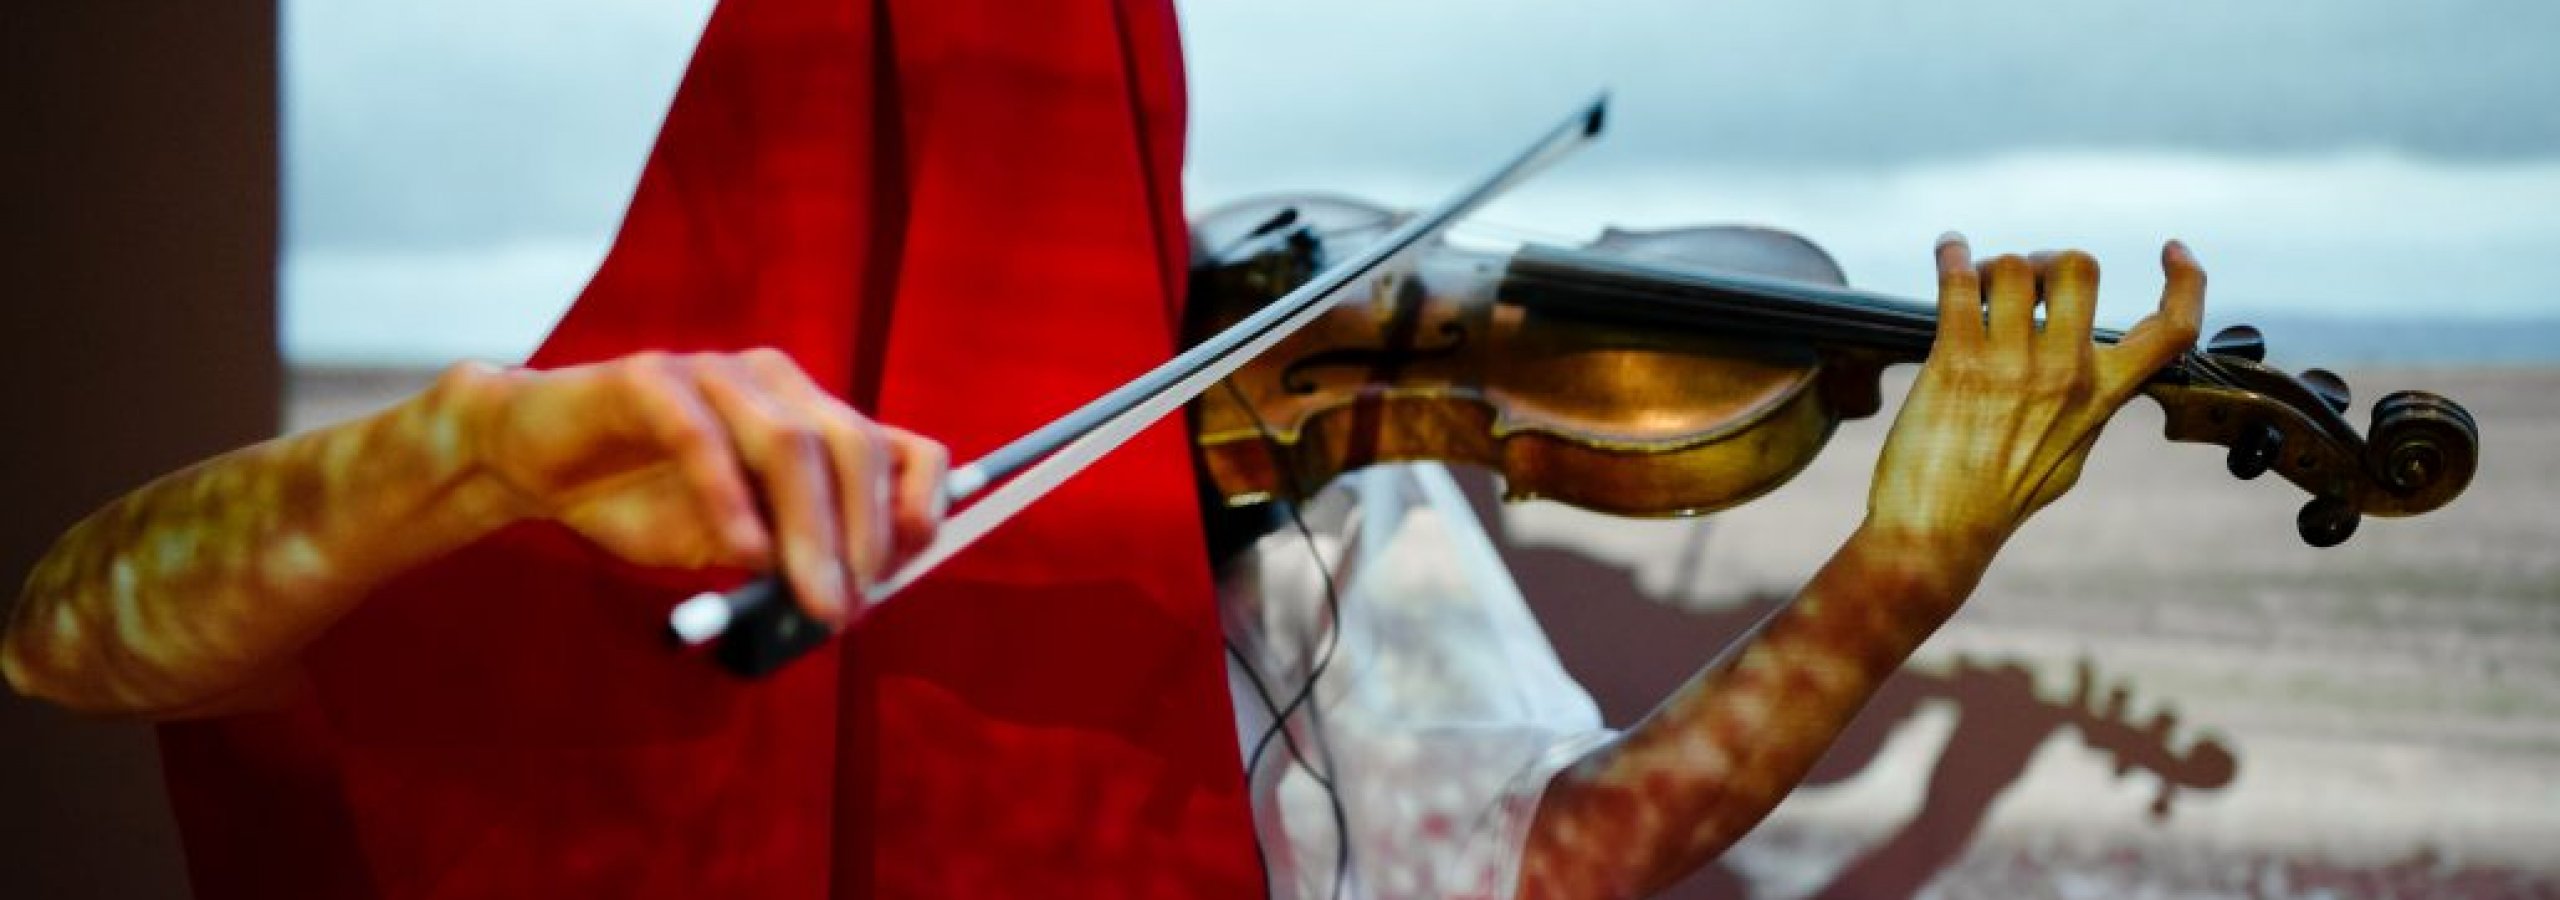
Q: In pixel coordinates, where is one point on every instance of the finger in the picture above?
(1959, 295)
(682, 423)
(863, 458)
(2172, 328)
(2069, 280)
(2009, 284)
(922, 463)
(788, 455)
(2182, 296)
(858, 454)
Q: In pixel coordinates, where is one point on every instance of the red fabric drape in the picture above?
(963, 216)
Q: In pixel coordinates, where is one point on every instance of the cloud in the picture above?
(455, 169)
(472, 122)
(428, 306)
(2347, 234)
(1309, 85)
(2373, 236)
(487, 121)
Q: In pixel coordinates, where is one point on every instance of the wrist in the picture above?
(1931, 566)
(455, 418)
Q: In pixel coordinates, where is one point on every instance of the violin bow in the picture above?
(758, 626)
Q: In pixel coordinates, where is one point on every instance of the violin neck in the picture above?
(1605, 286)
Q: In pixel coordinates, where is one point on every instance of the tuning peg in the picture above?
(1287, 216)
(2242, 341)
(2255, 451)
(2331, 388)
(2327, 521)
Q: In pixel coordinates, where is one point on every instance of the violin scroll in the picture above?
(2424, 448)
(2418, 454)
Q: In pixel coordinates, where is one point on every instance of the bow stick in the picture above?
(758, 626)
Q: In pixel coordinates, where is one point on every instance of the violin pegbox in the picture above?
(2242, 341)
(2418, 453)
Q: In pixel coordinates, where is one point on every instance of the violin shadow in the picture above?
(1630, 650)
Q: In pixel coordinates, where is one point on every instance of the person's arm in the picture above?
(1996, 427)
(196, 593)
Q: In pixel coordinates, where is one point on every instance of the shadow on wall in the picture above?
(1630, 651)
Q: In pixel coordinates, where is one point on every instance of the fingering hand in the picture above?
(711, 459)
(2005, 410)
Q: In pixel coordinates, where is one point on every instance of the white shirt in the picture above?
(1440, 717)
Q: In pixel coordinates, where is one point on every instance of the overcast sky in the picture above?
(455, 169)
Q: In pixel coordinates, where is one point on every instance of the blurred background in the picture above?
(453, 172)
(2159, 692)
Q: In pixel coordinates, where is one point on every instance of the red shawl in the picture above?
(964, 216)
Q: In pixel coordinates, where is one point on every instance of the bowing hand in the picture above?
(710, 459)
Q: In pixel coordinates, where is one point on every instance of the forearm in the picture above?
(204, 585)
(1996, 427)
(1719, 754)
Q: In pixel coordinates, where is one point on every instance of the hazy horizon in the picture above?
(453, 173)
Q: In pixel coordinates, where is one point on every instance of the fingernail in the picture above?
(1951, 237)
(830, 579)
(746, 533)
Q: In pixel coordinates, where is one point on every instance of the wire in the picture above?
(1281, 714)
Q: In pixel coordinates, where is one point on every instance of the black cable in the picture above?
(1272, 707)
(1261, 859)
(1315, 711)
(1306, 692)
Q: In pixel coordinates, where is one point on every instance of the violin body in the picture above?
(1680, 372)
(1426, 363)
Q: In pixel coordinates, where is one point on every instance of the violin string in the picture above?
(1814, 317)
(1331, 641)
(1922, 325)
(1792, 308)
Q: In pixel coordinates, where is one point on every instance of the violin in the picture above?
(1656, 373)
(1684, 371)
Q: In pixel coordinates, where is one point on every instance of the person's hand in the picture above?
(698, 460)
(2004, 412)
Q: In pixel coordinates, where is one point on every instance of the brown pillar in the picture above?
(138, 233)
